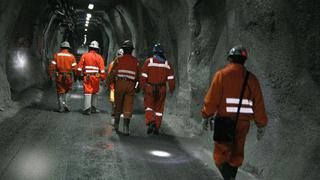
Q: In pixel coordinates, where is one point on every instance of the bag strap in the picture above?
(241, 97)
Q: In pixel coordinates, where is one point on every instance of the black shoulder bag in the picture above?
(225, 127)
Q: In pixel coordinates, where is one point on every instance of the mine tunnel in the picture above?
(282, 39)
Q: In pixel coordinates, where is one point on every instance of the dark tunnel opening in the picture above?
(282, 38)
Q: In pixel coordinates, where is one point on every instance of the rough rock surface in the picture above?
(282, 37)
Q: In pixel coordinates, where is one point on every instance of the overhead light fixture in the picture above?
(91, 6)
(87, 22)
(89, 15)
(85, 29)
(87, 18)
(86, 25)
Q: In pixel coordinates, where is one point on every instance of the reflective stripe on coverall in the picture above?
(154, 78)
(223, 98)
(63, 64)
(124, 74)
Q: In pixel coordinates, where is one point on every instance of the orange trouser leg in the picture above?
(159, 107)
(64, 87)
(124, 98)
(128, 100)
(233, 153)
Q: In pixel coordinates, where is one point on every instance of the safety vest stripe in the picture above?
(127, 72)
(92, 71)
(53, 62)
(144, 75)
(79, 69)
(149, 109)
(102, 71)
(126, 76)
(159, 114)
(92, 67)
(170, 77)
(237, 101)
(64, 54)
(74, 64)
(242, 110)
(153, 64)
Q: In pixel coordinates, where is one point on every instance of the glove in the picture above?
(260, 133)
(205, 124)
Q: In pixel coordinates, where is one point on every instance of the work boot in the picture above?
(116, 124)
(126, 127)
(151, 127)
(156, 131)
(87, 111)
(87, 104)
(94, 102)
(60, 103)
(228, 172)
(65, 103)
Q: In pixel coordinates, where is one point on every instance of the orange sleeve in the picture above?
(213, 97)
(171, 79)
(260, 115)
(144, 75)
(112, 73)
(102, 68)
(80, 66)
(52, 66)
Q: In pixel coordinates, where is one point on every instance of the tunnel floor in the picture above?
(39, 143)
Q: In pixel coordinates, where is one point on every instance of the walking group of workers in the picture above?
(233, 99)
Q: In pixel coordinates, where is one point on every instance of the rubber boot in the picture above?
(228, 172)
(60, 103)
(151, 127)
(87, 104)
(126, 127)
(116, 124)
(94, 103)
(65, 103)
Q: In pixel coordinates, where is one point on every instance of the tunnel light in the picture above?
(91, 6)
(160, 153)
(89, 15)
(88, 19)
(87, 22)
(86, 25)
(85, 30)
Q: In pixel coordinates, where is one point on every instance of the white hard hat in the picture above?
(65, 44)
(94, 44)
(120, 52)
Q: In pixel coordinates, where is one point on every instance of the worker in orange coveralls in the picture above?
(112, 86)
(92, 66)
(125, 76)
(155, 74)
(63, 65)
(222, 100)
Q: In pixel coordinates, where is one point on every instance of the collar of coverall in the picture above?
(92, 51)
(235, 66)
(64, 50)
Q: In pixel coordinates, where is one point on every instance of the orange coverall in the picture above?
(223, 99)
(124, 74)
(63, 64)
(92, 66)
(111, 97)
(154, 78)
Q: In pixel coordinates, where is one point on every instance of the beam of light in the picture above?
(91, 6)
(85, 40)
(20, 60)
(160, 154)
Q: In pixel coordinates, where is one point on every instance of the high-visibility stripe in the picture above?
(149, 109)
(74, 64)
(237, 101)
(159, 114)
(102, 71)
(137, 85)
(88, 94)
(79, 69)
(92, 67)
(152, 64)
(53, 62)
(170, 77)
(92, 71)
(126, 76)
(127, 72)
(242, 110)
(64, 54)
(144, 75)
